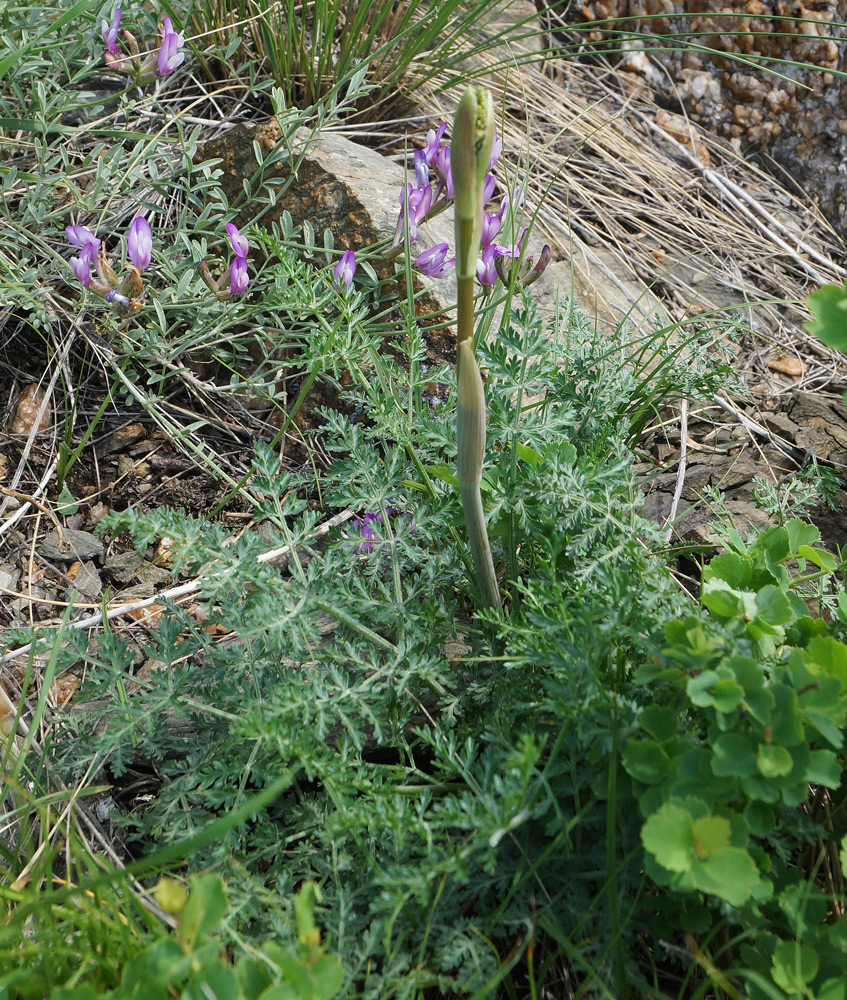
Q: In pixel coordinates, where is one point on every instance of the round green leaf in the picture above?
(773, 761)
(669, 836)
(793, 966)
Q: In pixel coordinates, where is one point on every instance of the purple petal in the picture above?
(81, 266)
(110, 33)
(344, 270)
(488, 186)
(486, 269)
(433, 142)
(239, 279)
(490, 228)
(81, 236)
(239, 243)
(169, 55)
(140, 242)
(432, 263)
(421, 169)
(496, 150)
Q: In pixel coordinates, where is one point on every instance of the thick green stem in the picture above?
(470, 448)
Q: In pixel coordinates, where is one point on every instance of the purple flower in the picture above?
(496, 150)
(441, 166)
(488, 186)
(433, 142)
(367, 528)
(421, 169)
(517, 198)
(240, 246)
(81, 266)
(344, 271)
(432, 262)
(486, 269)
(490, 228)
(140, 242)
(239, 279)
(81, 236)
(119, 302)
(169, 55)
(110, 33)
(544, 259)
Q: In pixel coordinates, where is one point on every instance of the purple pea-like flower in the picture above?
(81, 236)
(110, 33)
(441, 166)
(433, 142)
(344, 270)
(544, 259)
(81, 266)
(140, 242)
(239, 243)
(169, 55)
(490, 228)
(239, 279)
(432, 263)
(486, 269)
(421, 169)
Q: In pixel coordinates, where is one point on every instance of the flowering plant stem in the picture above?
(473, 135)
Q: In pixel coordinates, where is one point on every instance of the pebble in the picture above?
(72, 546)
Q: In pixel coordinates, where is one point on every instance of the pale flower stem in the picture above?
(473, 133)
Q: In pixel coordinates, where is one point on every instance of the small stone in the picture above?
(71, 546)
(124, 566)
(795, 367)
(86, 581)
(9, 576)
(26, 412)
(120, 440)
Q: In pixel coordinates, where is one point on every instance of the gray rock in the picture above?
(87, 583)
(73, 545)
(124, 566)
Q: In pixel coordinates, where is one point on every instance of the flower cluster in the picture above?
(433, 191)
(143, 67)
(239, 278)
(123, 295)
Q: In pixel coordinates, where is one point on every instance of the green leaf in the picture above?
(725, 602)
(646, 761)
(823, 769)
(794, 965)
(773, 761)
(711, 834)
(669, 836)
(832, 989)
(731, 567)
(828, 655)
(820, 557)
(801, 533)
(660, 723)
(205, 907)
(829, 307)
(213, 980)
(760, 818)
(772, 606)
(733, 755)
(730, 874)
